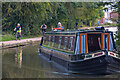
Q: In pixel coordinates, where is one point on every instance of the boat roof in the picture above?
(78, 31)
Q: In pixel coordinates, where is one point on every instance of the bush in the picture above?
(109, 24)
(8, 37)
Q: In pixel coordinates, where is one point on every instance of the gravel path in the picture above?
(7, 44)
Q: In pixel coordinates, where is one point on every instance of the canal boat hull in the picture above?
(104, 64)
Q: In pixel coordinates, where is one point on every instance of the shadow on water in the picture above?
(27, 62)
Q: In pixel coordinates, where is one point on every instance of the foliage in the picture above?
(31, 15)
(9, 37)
(118, 41)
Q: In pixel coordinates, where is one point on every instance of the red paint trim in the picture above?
(111, 54)
(98, 54)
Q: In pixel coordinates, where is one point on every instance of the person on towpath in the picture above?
(43, 27)
(18, 31)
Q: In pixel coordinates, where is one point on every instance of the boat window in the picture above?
(77, 46)
(111, 43)
(53, 40)
(70, 43)
(105, 42)
(94, 42)
(60, 39)
(83, 38)
(65, 42)
(44, 39)
(49, 40)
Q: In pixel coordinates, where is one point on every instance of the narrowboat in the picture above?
(82, 51)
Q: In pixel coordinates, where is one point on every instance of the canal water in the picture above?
(27, 62)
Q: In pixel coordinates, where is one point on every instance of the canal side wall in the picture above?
(23, 42)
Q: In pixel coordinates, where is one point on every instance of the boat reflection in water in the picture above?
(18, 56)
(82, 51)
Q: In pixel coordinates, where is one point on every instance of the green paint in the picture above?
(118, 56)
(58, 49)
(75, 44)
(88, 56)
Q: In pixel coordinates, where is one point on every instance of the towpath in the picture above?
(13, 43)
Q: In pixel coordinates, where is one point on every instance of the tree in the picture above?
(32, 15)
(118, 41)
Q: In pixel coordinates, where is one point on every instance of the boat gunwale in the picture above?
(104, 54)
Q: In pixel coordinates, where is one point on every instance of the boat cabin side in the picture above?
(63, 42)
(80, 42)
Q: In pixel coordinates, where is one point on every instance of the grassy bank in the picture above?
(9, 37)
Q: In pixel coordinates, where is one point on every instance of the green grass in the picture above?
(9, 37)
(109, 24)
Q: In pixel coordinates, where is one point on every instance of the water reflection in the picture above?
(18, 56)
(26, 62)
